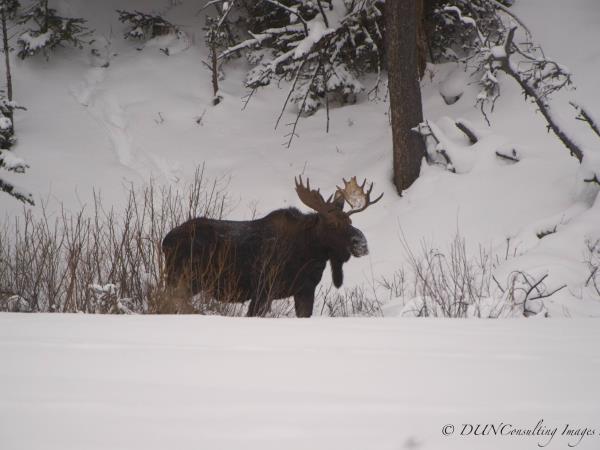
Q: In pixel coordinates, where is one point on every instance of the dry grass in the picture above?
(99, 260)
(453, 283)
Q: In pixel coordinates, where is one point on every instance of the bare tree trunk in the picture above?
(9, 93)
(215, 74)
(6, 48)
(405, 93)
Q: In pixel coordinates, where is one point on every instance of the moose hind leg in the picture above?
(303, 304)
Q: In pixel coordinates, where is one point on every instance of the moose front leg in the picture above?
(303, 303)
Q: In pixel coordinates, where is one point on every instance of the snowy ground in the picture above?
(106, 382)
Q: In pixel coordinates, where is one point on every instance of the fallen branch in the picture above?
(426, 131)
(512, 157)
(471, 134)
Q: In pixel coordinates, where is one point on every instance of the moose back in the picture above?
(278, 256)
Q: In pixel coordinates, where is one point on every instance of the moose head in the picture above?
(334, 226)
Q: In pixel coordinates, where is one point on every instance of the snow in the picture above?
(465, 19)
(9, 161)
(498, 52)
(316, 31)
(5, 123)
(453, 85)
(32, 42)
(141, 382)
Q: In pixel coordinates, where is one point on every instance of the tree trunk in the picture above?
(421, 38)
(215, 74)
(6, 48)
(405, 93)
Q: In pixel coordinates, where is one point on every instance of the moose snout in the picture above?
(359, 245)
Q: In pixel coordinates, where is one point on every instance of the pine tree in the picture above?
(144, 26)
(8, 161)
(322, 47)
(50, 31)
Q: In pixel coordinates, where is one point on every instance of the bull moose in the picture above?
(278, 256)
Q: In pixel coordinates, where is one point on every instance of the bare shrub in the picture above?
(447, 285)
(454, 284)
(347, 303)
(592, 260)
(395, 285)
(99, 260)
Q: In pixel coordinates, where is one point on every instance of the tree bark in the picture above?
(421, 38)
(401, 17)
(6, 48)
(215, 74)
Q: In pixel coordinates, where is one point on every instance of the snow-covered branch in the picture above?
(12, 163)
(322, 58)
(16, 192)
(537, 76)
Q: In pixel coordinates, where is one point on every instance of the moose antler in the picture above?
(355, 195)
(313, 198)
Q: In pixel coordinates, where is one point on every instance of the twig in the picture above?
(593, 180)
(291, 11)
(584, 116)
(512, 157)
(504, 9)
(323, 13)
(301, 109)
(291, 91)
(531, 91)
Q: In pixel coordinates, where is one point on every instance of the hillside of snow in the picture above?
(131, 114)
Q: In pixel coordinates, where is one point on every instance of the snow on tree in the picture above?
(145, 26)
(483, 35)
(458, 27)
(322, 47)
(11, 163)
(7, 108)
(155, 30)
(51, 31)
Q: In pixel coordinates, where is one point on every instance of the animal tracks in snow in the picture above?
(106, 108)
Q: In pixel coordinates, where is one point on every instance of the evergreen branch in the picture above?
(15, 192)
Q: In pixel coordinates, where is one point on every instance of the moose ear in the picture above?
(338, 200)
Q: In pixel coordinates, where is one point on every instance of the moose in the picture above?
(278, 256)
